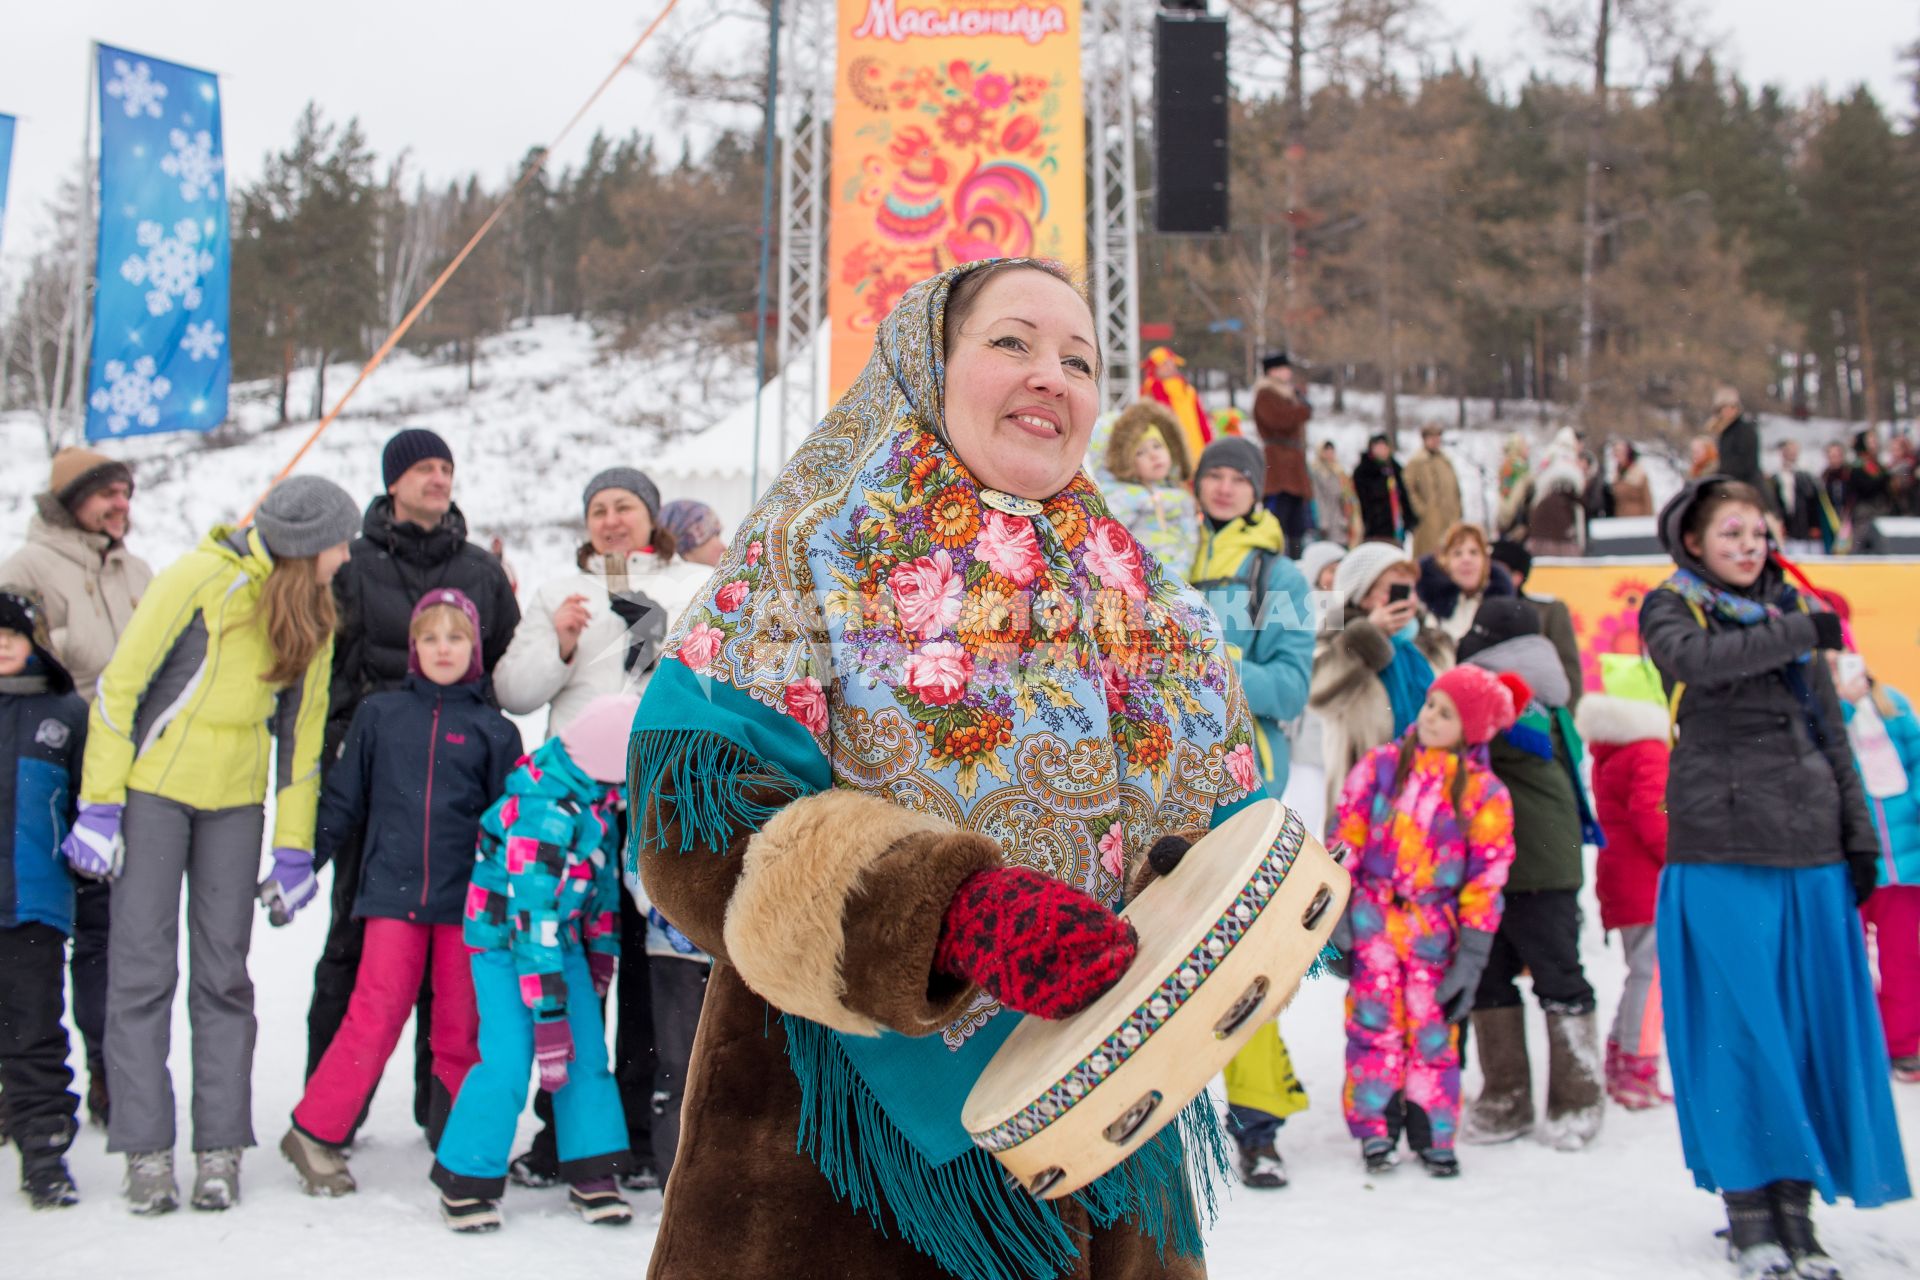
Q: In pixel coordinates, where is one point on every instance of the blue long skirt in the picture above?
(1779, 1066)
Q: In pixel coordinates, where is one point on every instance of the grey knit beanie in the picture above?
(1236, 453)
(304, 515)
(633, 480)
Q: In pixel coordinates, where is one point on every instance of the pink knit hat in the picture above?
(596, 739)
(1488, 703)
(453, 599)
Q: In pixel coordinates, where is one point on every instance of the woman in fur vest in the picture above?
(1372, 670)
(903, 756)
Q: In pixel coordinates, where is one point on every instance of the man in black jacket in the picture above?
(1386, 511)
(1738, 439)
(412, 540)
(1796, 494)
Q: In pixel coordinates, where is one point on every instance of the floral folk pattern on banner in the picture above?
(948, 149)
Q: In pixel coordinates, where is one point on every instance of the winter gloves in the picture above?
(1826, 627)
(1037, 945)
(1462, 978)
(289, 886)
(94, 848)
(601, 966)
(1341, 940)
(552, 1051)
(1864, 872)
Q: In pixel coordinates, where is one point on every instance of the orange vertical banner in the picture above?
(958, 134)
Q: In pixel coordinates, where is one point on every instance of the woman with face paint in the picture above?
(1780, 1072)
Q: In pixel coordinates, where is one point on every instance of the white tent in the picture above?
(716, 465)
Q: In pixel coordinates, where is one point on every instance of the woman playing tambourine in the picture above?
(933, 711)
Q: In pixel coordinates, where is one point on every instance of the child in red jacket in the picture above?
(1628, 737)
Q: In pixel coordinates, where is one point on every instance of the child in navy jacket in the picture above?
(420, 766)
(43, 732)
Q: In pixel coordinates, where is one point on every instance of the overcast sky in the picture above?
(469, 85)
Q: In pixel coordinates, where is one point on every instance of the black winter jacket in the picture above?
(392, 566)
(420, 766)
(1370, 487)
(1441, 594)
(1754, 777)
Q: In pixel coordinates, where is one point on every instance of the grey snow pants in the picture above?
(216, 853)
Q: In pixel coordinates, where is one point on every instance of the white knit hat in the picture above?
(1317, 556)
(1363, 567)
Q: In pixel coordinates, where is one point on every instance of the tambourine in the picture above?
(1224, 942)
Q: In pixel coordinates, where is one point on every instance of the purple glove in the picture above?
(552, 1051)
(289, 886)
(601, 966)
(94, 847)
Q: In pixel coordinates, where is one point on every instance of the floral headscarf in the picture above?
(1019, 668)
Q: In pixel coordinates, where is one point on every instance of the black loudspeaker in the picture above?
(1190, 125)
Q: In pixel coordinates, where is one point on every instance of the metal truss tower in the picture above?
(1112, 47)
(806, 100)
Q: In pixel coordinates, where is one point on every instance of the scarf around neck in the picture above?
(883, 622)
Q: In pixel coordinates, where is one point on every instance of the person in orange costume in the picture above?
(1164, 382)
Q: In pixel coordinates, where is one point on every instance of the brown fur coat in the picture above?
(832, 910)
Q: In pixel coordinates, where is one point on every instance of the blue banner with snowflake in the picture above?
(160, 358)
(6, 163)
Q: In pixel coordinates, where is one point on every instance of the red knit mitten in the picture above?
(1039, 946)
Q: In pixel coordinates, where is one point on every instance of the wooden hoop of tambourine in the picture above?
(1224, 942)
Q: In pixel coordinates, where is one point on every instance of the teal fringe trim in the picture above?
(966, 1214)
(1323, 963)
(703, 771)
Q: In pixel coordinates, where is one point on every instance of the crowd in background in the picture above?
(1407, 692)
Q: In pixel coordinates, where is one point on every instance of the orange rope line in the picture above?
(400, 331)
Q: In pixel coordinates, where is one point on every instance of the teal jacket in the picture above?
(1897, 818)
(546, 878)
(1274, 651)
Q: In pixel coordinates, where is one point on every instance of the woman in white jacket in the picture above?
(581, 638)
(598, 631)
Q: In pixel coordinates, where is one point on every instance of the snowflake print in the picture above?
(192, 161)
(134, 85)
(171, 266)
(131, 395)
(203, 341)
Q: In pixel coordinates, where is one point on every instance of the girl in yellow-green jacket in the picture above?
(226, 659)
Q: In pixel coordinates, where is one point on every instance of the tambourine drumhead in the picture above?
(1224, 942)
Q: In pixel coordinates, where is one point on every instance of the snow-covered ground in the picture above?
(1623, 1210)
(553, 407)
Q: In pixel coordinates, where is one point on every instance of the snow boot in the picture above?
(1504, 1109)
(1633, 1080)
(1262, 1168)
(1575, 1101)
(50, 1186)
(1441, 1162)
(642, 1177)
(1792, 1203)
(600, 1203)
(1906, 1070)
(531, 1169)
(150, 1186)
(216, 1179)
(470, 1216)
(1753, 1241)
(1379, 1155)
(320, 1165)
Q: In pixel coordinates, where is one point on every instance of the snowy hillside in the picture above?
(554, 404)
(552, 407)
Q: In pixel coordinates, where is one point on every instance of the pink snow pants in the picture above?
(1398, 1038)
(395, 959)
(1894, 914)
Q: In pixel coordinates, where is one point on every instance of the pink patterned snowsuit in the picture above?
(1420, 877)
